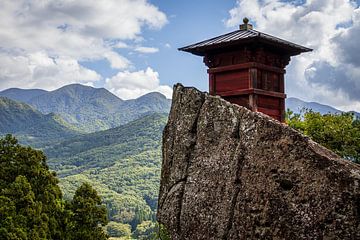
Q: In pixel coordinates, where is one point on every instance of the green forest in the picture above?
(31, 202)
(123, 165)
(337, 132)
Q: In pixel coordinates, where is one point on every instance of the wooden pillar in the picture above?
(253, 78)
(282, 101)
(253, 102)
(212, 82)
(282, 110)
(282, 83)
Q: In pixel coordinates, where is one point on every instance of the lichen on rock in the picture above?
(229, 173)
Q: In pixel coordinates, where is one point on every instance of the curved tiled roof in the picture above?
(241, 36)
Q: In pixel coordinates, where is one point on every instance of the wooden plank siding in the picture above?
(227, 81)
(255, 85)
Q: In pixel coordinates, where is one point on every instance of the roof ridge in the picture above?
(237, 36)
(210, 39)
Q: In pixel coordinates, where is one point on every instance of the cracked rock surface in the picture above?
(229, 173)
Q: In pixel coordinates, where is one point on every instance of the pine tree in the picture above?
(89, 215)
(29, 195)
(31, 204)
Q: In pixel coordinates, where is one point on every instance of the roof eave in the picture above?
(292, 49)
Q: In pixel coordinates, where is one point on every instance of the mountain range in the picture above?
(22, 95)
(89, 109)
(297, 106)
(122, 162)
(41, 118)
(31, 126)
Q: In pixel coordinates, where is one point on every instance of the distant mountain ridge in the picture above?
(22, 95)
(31, 126)
(90, 109)
(296, 105)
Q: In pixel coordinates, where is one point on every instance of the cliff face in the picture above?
(229, 173)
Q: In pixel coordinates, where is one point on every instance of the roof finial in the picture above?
(246, 25)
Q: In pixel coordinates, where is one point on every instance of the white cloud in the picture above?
(146, 49)
(316, 24)
(37, 70)
(116, 61)
(130, 85)
(120, 45)
(74, 30)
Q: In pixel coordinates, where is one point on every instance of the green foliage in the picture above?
(163, 234)
(88, 215)
(104, 148)
(129, 188)
(122, 164)
(31, 204)
(116, 229)
(29, 192)
(145, 230)
(21, 213)
(338, 132)
(31, 126)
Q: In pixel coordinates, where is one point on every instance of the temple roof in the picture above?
(243, 37)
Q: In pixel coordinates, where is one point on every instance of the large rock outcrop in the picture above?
(229, 173)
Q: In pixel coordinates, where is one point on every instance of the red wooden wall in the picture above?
(249, 81)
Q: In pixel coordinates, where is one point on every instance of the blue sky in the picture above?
(189, 22)
(130, 46)
(185, 25)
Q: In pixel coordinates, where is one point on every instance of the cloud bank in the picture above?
(42, 42)
(330, 74)
(131, 85)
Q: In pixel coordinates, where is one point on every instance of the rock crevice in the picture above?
(229, 173)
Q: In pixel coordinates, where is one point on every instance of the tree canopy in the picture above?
(88, 214)
(337, 132)
(31, 204)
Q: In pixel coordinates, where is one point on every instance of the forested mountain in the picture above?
(123, 164)
(103, 148)
(151, 102)
(87, 108)
(31, 126)
(91, 109)
(22, 95)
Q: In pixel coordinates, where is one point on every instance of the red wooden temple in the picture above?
(247, 67)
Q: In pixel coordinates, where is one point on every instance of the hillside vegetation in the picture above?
(90, 109)
(123, 165)
(31, 126)
(337, 132)
(31, 203)
(298, 106)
